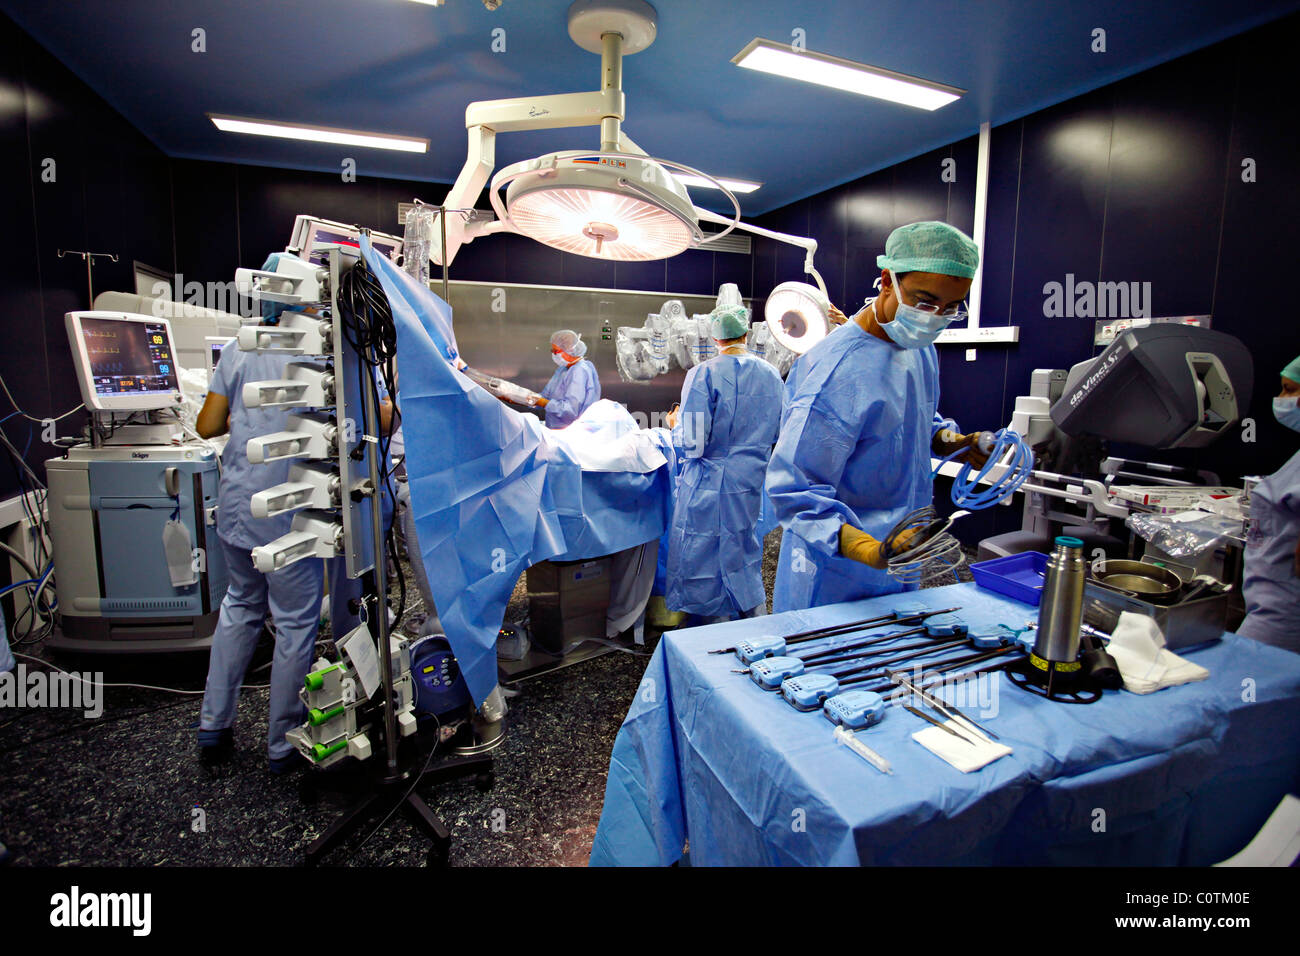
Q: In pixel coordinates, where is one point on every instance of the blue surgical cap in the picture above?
(1292, 371)
(930, 247)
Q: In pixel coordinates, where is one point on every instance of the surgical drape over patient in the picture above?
(493, 491)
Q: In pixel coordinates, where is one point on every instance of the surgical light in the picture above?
(612, 202)
(319, 134)
(623, 208)
(798, 314)
(781, 59)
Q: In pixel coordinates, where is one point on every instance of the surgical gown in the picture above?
(570, 392)
(854, 448)
(730, 417)
(1271, 588)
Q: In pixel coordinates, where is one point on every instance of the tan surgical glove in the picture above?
(946, 441)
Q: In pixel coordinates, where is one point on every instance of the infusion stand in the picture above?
(396, 787)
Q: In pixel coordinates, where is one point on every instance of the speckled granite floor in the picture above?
(123, 789)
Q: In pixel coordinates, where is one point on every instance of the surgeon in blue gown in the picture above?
(860, 423)
(1271, 579)
(728, 422)
(575, 386)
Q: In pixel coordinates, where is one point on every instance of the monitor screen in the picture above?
(129, 358)
(215, 345)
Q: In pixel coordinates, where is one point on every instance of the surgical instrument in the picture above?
(948, 710)
(808, 691)
(959, 662)
(769, 674)
(848, 739)
(857, 709)
(774, 645)
(938, 723)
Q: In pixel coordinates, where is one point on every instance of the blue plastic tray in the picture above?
(1018, 576)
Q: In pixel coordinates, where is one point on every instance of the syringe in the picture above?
(847, 738)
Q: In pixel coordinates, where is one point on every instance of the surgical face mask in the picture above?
(560, 359)
(913, 327)
(1287, 411)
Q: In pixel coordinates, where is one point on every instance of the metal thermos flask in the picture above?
(1060, 612)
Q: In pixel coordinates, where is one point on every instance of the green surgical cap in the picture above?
(730, 322)
(1292, 371)
(930, 247)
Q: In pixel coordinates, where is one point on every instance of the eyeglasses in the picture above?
(953, 311)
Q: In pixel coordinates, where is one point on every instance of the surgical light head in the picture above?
(798, 315)
(930, 247)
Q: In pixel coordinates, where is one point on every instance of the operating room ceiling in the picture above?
(395, 66)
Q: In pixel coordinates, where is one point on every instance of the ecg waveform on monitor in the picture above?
(126, 356)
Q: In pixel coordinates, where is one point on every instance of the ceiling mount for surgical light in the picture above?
(614, 202)
(782, 59)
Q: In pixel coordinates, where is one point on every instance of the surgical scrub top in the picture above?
(854, 447)
(570, 392)
(1271, 588)
(730, 417)
(240, 478)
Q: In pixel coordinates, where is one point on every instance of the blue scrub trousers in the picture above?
(292, 595)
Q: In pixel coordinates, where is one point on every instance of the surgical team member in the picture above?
(1271, 580)
(292, 594)
(575, 386)
(860, 424)
(729, 419)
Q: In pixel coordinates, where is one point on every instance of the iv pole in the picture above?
(395, 782)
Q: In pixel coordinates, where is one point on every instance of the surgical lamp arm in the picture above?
(483, 120)
(803, 242)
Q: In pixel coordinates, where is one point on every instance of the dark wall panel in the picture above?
(107, 192)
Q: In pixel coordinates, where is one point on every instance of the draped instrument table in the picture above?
(1184, 776)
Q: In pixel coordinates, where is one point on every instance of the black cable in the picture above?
(366, 321)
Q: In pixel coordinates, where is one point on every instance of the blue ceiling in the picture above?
(401, 67)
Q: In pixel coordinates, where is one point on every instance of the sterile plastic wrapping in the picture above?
(772, 351)
(194, 389)
(416, 242)
(634, 354)
(503, 388)
(1186, 533)
(493, 491)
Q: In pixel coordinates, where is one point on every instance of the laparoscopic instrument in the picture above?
(939, 626)
(772, 645)
(808, 691)
(770, 671)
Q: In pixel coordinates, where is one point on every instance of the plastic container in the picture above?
(1018, 576)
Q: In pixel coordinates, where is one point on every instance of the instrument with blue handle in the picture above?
(808, 691)
(855, 709)
(769, 673)
(773, 645)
